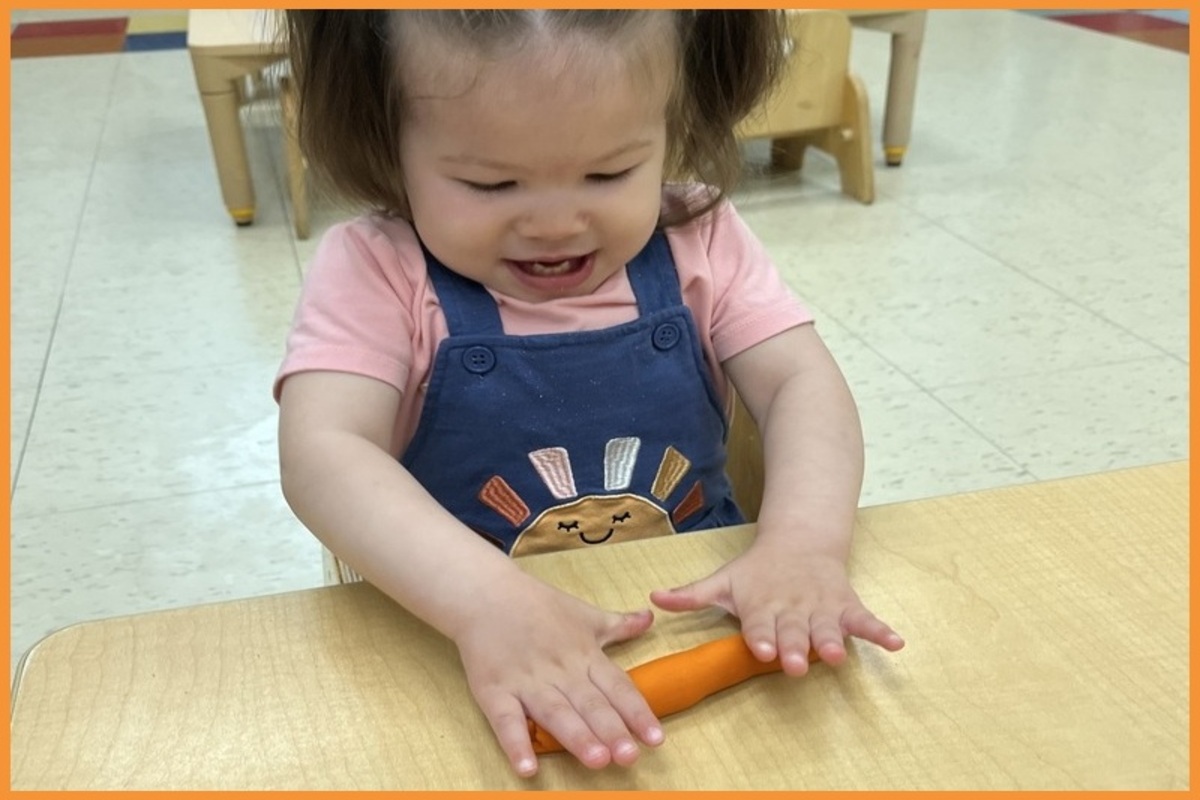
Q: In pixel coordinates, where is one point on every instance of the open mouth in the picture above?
(548, 269)
(557, 274)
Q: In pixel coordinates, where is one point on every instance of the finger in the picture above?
(606, 724)
(508, 722)
(699, 594)
(559, 717)
(759, 631)
(598, 713)
(629, 703)
(865, 625)
(827, 639)
(623, 627)
(792, 640)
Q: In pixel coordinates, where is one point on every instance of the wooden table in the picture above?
(1047, 629)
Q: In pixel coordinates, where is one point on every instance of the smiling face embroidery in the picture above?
(598, 519)
(595, 519)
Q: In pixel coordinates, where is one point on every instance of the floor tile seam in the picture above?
(1034, 279)
(921, 389)
(1024, 467)
(1012, 459)
(66, 277)
(140, 372)
(881, 356)
(1051, 373)
(1145, 220)
(140, 501)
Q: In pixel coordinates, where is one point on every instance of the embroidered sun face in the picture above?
(595, 519)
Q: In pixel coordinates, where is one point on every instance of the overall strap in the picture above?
(469, 308)
(653, 278)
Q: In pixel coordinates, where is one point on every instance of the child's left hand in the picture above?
(788, 600)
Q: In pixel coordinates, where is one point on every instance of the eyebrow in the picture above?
(476, 161)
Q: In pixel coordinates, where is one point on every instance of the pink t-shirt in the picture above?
(368, 307)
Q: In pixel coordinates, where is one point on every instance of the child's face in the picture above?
(538, 174)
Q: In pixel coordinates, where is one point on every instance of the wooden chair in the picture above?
(744, 466)
(819, 103)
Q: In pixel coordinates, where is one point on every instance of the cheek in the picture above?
(638, 207)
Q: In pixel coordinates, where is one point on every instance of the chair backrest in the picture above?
(809, 94)
(744, 460)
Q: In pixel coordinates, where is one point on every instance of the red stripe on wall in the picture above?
(1121, 22)
(71, 27)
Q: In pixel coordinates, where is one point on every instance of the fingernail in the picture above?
(797, 662)
(595, 753)
(526, 767)
(625, 748)
(654, 735)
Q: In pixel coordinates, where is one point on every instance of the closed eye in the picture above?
(621, 517)
(489, 187)
(609, 177)
(568, 526)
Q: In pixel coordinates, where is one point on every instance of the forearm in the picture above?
(812, 442)
(369, 511)
(813, 453)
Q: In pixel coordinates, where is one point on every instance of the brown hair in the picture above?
(351, 103)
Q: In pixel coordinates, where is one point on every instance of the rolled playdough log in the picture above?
(680, 680)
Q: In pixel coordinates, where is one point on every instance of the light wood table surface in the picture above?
(1047, 629)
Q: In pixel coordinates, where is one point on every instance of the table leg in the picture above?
(902, 86)
(908, 32)
(221, 99)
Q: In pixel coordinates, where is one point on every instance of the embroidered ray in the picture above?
(497, 495)
(670, 472)
(553, 464)
(620, 457)
(690, 504)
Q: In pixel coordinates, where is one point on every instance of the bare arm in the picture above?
(527, 648)
(790, 588)
(340, 480)
(812, 440)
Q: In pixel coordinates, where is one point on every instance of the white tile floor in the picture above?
(1013, 307)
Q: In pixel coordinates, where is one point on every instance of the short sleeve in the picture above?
(746, 300)
(355, 309)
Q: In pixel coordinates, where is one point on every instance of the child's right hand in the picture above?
(536, 652)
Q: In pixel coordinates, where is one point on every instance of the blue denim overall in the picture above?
(565, 440)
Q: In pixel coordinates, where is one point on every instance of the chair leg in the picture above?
(297, 168)
(337, 571)
(850, 145)
(787, 154)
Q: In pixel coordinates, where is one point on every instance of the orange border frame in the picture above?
(102, 10)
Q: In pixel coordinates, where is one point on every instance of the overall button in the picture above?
(479, 359)
(666, 336)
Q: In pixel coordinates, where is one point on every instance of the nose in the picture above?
(553, 217)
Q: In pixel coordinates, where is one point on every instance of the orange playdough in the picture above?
(680, 680)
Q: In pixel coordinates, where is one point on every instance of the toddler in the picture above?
(531, 342)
